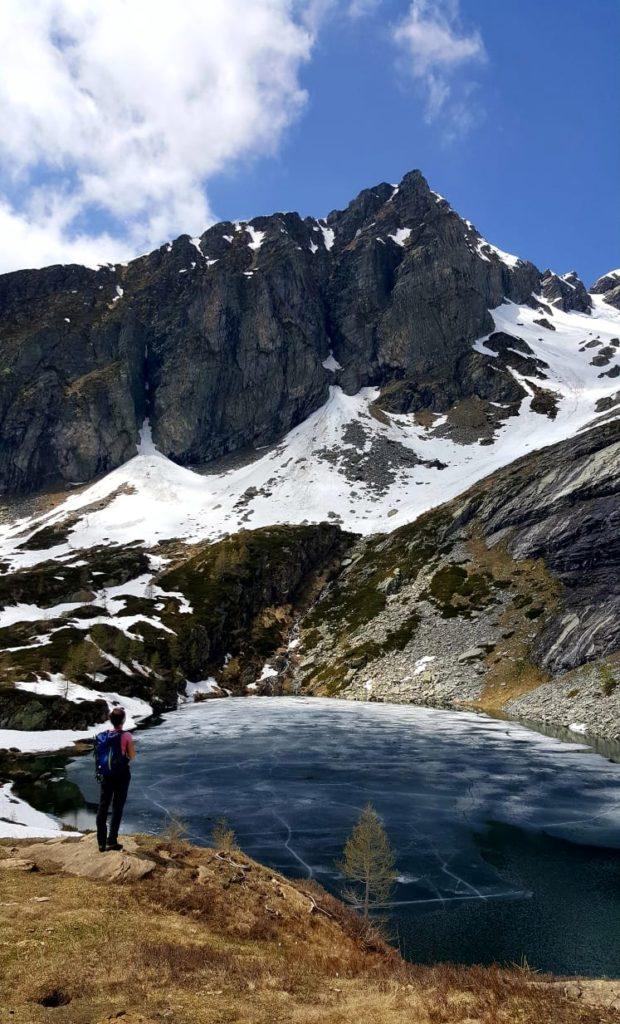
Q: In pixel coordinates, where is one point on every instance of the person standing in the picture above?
(114, 751)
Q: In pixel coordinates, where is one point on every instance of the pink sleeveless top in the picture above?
(125, 739)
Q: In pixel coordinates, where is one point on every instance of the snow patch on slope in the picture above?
(302, 479)
(18, 820)
(110, 598)
(257, 237)
(400, 236)
(331, 363)
(329, 236)
(486, 249)
(57, 686)
(57, 739)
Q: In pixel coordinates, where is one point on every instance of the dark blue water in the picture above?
(506, 841)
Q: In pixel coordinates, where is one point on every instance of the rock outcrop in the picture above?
(490, 597)
(20, 709)
(566, 292)
(561, 506)
(609, 287)
(220, 340)
(80, 856)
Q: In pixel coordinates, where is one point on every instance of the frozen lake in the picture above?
(506, 840)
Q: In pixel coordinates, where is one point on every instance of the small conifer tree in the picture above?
(82, 660)
(368, 863)
(223, 837)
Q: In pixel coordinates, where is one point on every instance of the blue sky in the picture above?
(128, 123)
(538, 171)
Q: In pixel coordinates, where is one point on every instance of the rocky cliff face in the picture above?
(451, 359)
(609, 287)
(220, 341)
(488, 598)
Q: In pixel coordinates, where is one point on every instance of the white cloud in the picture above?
(124, 109)
(360, 8)
(435, 47)
(31, 240)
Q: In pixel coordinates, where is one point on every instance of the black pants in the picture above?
(113, 791)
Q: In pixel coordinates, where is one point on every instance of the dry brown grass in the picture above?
(212, 938)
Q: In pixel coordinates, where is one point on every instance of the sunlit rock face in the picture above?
(488, 598)
(222, 340)
(608, 286)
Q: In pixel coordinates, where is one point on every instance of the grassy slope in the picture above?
(244, 592)
(445, 566)
(210, 939)
(425, 551)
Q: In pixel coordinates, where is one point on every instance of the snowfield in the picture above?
(18, 820)
(57, 739)
(150, 499)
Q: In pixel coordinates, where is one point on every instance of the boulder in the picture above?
(471, 654)
(82, 857)
(21, 709)
(16, 864)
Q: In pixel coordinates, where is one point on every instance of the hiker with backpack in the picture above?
(114, 749)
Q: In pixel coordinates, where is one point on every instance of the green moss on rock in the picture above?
(454, 591)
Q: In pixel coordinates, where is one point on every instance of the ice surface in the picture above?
(292, 774)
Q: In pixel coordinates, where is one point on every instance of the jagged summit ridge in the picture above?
(221, 340)
(229, 340)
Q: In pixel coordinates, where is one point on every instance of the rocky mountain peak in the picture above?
(609, 287)
(229, 340)
(566, 291)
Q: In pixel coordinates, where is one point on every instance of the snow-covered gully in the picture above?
(150, 498)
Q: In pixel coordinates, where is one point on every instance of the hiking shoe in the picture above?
(114, 846)
(102, 849)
